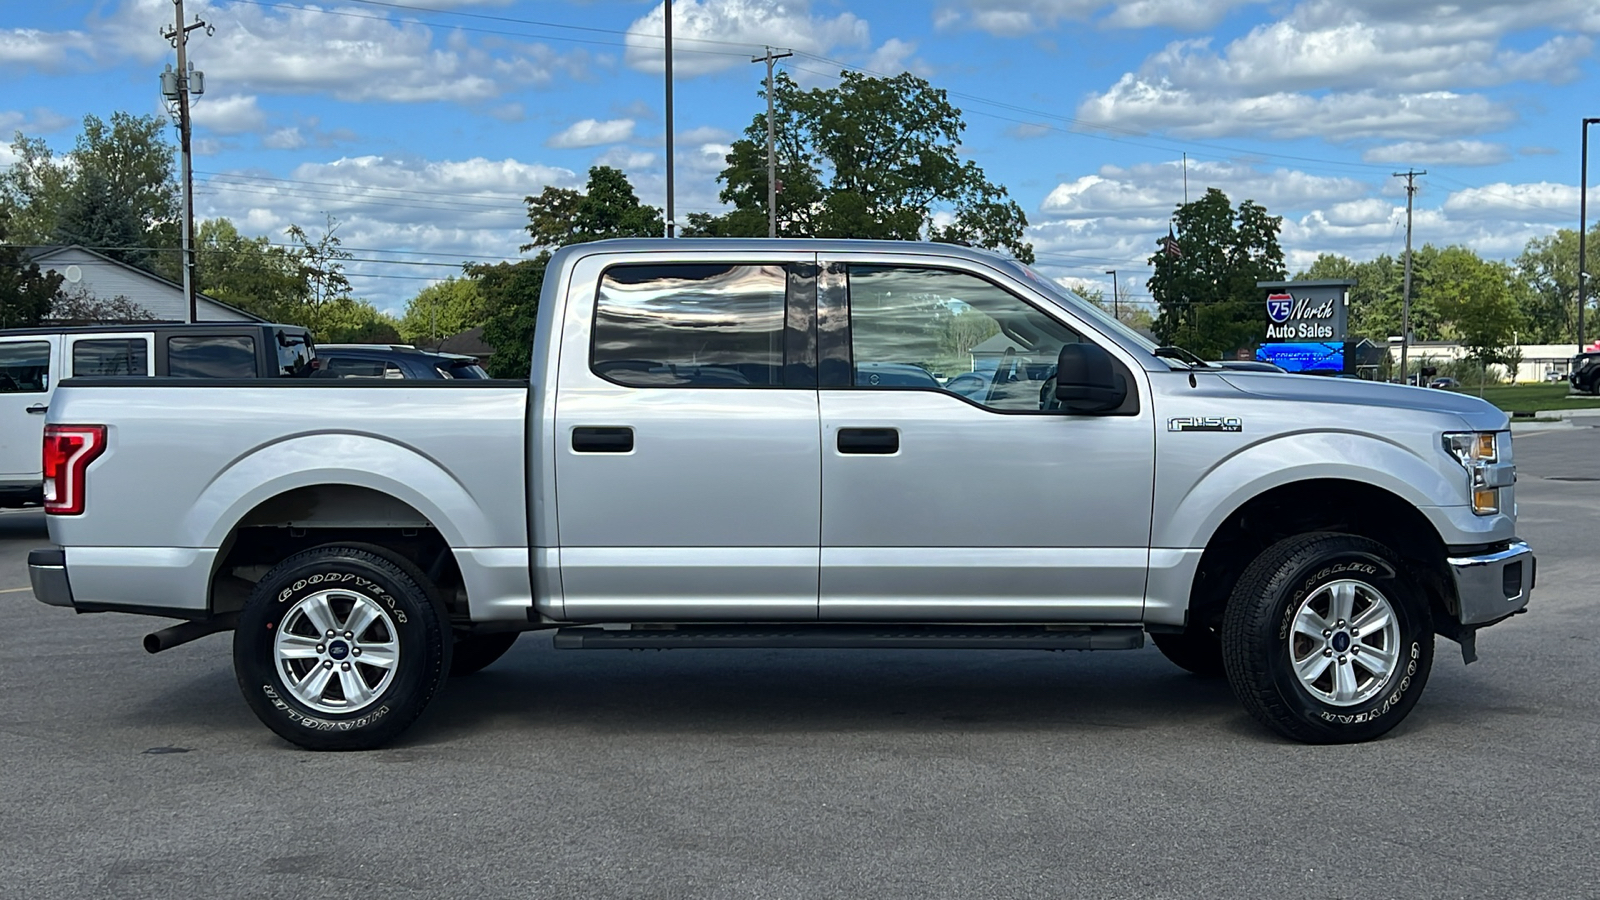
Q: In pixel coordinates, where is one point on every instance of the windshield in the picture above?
(1102, 319)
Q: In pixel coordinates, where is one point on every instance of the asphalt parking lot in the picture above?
(737, 774)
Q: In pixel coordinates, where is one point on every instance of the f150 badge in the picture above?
(1205, 423)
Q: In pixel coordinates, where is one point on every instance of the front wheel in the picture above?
(341, 647)
(1326, 640)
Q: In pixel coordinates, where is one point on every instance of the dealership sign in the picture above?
(1305, 311)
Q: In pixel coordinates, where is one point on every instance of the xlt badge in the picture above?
(1205, 423)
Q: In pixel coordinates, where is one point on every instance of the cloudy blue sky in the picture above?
(421, 124)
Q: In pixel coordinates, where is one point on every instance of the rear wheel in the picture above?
(1326, 640)
(341, 647)
(473, 652)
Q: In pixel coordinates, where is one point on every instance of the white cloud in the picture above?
(284, 139)
(718, 23)
(457, 209)
(1140, 104)
(1442, 153)
(235, 114)
(895, 56)
(1029, 130)
(47, 51)
(353, 58)
(592, 133)
(38, 121)
(1156, 188)
(1027, 18)
(1538, 202)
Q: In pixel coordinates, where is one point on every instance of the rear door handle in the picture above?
(591, 439)
(874, 441)
(38, 409)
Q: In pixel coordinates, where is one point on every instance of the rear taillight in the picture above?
(68, 450)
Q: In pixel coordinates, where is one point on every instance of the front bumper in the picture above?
(47, 570)
(1494, 584)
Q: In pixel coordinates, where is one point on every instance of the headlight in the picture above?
(1476, 450)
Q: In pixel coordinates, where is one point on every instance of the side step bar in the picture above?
(852, 636)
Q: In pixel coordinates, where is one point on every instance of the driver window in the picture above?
(950, 331)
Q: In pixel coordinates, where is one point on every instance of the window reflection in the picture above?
(218, 356)
(932, 328)
(25, 367)
(110, 357)
(690, 325)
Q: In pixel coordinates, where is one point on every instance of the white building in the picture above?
(1538, 360)
(106, 278)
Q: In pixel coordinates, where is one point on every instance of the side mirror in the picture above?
(1087, 381)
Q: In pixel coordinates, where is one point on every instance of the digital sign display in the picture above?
(1304, 357)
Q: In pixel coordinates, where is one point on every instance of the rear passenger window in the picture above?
(25, 367)
(347, 367)
(110, 357)
(213, 356)
(690, 325)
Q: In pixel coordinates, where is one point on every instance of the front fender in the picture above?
(310, 460)
(1192, 502)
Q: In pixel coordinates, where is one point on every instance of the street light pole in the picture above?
(672, 230)
(1116, 301)
(1583, 228)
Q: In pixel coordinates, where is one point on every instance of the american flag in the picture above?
(1169, 244)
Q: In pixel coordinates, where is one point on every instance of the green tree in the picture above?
(1549, 269)
(248, 273)
(1477, 300)
(347, 320)
(510, 294)
(25, 292)
(321, 263)
(1205, 285)
(440, 310)
(606, 208)
(871, 158)
(114, 191)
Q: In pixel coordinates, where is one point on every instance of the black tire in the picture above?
(1197, 650)
(365, 575)
(1260, 641)
(475, 651)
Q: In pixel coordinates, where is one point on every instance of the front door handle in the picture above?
(38, 409)
(872, 441)
(592, 439)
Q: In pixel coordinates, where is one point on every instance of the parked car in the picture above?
(697, 460)
(393, 361)
(1585, 376)
(34, 360)
(1445, 383)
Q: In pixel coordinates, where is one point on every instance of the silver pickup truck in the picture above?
(829, 444)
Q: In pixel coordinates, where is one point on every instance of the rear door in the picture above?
(110, 355)
(29, 368)
(687, 455)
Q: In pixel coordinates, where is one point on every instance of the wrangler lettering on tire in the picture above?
(1327, 639)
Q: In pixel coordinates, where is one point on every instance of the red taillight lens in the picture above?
(68, 450)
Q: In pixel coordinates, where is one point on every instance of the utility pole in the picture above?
(772, 161)
(176, 87)
(1583, 229)
(1116, 300)
(1410, 176)
(667, 18)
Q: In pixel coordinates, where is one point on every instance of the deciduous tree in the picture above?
(1205, 278)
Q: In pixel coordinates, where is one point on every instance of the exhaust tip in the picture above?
(152, 643)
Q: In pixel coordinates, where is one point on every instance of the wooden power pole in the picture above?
(772, 160)
(1410, 176)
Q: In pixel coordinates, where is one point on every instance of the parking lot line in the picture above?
(14, 590)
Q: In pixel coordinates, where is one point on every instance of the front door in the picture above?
(951, 491)
(687, 455)
(28, 370)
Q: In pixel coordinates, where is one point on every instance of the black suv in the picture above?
(392, 361)
(1586, 373)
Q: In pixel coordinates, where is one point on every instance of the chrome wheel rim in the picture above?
(1345, 643)
(337, 651)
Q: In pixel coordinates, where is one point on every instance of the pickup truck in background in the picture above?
(34, 360)
(727, 443)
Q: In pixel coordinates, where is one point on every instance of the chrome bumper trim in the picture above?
(1491, 586)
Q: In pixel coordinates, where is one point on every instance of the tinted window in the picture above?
(929, 328)
(355, 367)
(25, 367)
(111, 356)
(294, 353)
(460, 369)
(690, 325)
(214, 356)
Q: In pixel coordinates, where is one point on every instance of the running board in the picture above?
(853, 636)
